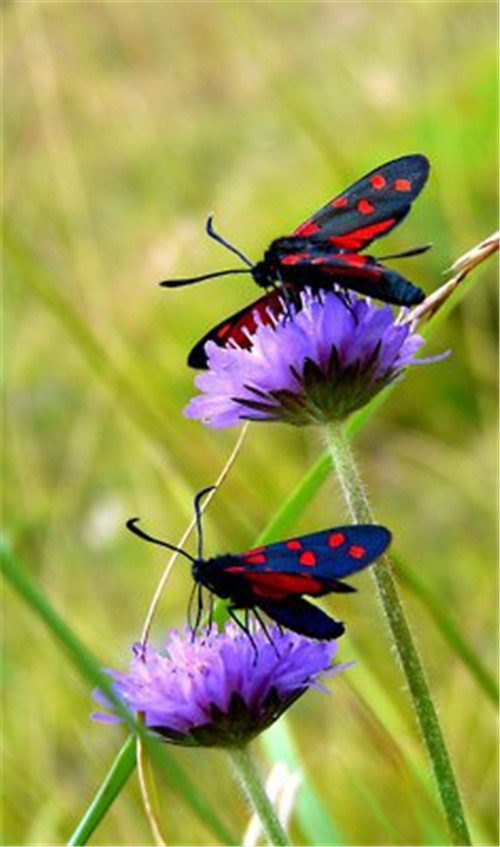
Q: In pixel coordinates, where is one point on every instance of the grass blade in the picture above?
(313, 817)
(448, 628)
(113, 782)
(90, 670)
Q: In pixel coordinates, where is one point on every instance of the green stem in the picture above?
(256, 793)
(360, 512)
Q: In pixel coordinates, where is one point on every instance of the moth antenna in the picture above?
(413, 251)
(215, 235)
(197, 513)
(177, 283)
(132, 526)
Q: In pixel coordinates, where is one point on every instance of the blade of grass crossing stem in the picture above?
(90, 670)
(314, 819)
(113, 782)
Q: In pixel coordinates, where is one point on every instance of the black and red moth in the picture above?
(273, 578)
(324, 251)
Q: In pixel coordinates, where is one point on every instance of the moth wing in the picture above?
(370, 207)
(325, 555)
(302, 617)
(239, 326)
(322, 268)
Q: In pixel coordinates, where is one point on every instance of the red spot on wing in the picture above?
(236, 569)
(294, 544)
(339, 202)
(402, 185)
(378, 181)
(255, 558)
(356, 551)
(336, 539)
(365, 207)
(309, 558)
(294, 258)
(277, 586)
(309, 228)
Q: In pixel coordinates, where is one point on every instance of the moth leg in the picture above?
(266, 631)
(210, 613)
(244, 627)
(290, 297)
(344, 297)
(199, 611)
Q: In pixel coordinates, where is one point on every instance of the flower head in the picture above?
(219, 689)
(322, 362)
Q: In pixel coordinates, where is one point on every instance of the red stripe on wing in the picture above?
(276, 586)
(359, 238)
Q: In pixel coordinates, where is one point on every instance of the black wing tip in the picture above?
(418, 297)
(421, 158)
(385, 539)
(369, 526)
(417, 161)
(197, 358)
(382, 537)
(382, 531)
(422, 165)
(337, 629)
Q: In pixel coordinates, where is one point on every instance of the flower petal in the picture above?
(220, 688)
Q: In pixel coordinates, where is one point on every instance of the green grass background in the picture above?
(125, 124)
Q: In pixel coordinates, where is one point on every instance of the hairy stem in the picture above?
(360, 512)
(257, 796)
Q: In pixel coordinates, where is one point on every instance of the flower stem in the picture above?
(257, 796)
(360, 512)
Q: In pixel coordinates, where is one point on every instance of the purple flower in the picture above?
(219, 689)
(319, 364)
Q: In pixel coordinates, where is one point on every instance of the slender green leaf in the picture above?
(448, 628)
(115, 779)
(314, 818)
(292, 507)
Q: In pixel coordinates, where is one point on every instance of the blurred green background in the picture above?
(125, 124)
